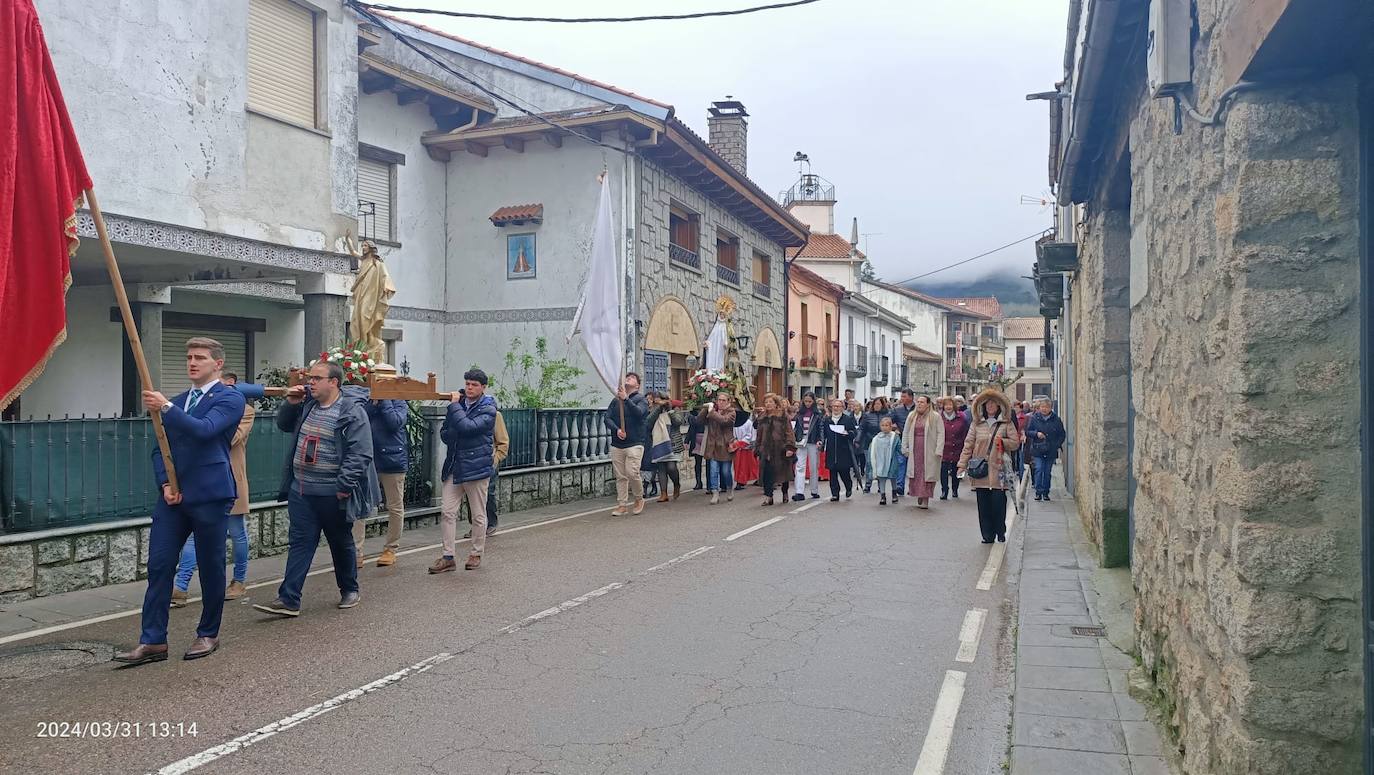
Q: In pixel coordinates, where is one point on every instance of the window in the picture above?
(1020, 391)
(684, 228)
(727, 258)
(656, 371)
(1020, 356)
(376, 199)
(763, 274)
(1042, 355)
(282, 61)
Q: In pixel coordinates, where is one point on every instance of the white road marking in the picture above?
(270, 582)
(970, 634)
(759, 526)
(995, 557)
(262, 733)
(941, 731)
(813, 504)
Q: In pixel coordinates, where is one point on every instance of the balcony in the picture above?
(858, 361)
(811, 352)
(763, 290)
(727, 274)
(972, 375)
(878, 370)
(684, 256)
(970, 340)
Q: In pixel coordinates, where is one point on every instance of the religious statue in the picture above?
(372, 292)
(722, 352)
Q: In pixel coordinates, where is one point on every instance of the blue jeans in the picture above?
(899, 484)
(238, 535)
(310, 516)
(720, 475)
(1043, 466)
(171, 526)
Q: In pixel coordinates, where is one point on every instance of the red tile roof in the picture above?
(1023, 328)
(519, 58)
(919, 354)
(518, 214)
(827, 246)
(804, 275)
(987, 306)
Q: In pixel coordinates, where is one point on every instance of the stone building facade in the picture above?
(1214, 318)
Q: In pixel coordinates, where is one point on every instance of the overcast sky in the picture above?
(914, 109)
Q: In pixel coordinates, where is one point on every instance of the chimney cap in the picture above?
(728, 107)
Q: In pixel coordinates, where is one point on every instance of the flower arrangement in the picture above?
(353, 359)
(703, 386)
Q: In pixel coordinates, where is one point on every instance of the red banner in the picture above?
(42, 177)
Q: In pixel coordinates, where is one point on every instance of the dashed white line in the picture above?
(694, 553)
(759, 526)
(813, 504)
(941, 730)
(262, 733)
(970, 634)
(270, 582)
(566, 605)
(995, 557)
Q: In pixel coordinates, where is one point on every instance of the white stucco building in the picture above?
(1025, 342)
(870, 347)
(233, 146)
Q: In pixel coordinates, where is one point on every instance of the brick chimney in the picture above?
(729, 125)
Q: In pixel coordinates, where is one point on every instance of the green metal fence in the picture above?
(75, 471)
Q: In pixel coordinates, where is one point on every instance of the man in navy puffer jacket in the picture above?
(468, 466)
(390, 455)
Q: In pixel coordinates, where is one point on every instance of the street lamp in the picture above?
(742, 343)
(692, 361)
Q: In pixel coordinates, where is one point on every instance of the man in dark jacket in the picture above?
(627, 443)
(900, 412)
(329, 481)
(1045, 434)
(391, 456)
(468, 432)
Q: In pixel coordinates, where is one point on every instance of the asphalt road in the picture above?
(816, 644)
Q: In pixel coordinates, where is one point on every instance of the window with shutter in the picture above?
(174, 379)
(655, 371)
(281, 60)
(374, 199)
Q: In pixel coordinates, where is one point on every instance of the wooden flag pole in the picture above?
(135, 344)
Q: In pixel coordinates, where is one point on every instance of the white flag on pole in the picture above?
(598, 313)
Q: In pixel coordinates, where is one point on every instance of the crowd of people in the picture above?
(348, 456)
(903, 447)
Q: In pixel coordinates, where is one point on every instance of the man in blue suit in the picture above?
(200, 425)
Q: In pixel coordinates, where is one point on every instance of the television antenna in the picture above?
(1045, 200)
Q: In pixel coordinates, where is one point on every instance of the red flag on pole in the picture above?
(42, 177)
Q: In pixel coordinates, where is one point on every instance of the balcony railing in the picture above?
(682, 255)
(727, 274)
(763, 290)
(858, 361)
(811, 352)
(971, 375)
(76, 471)
(878, 370)
(970, 340)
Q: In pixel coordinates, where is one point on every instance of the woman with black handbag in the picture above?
(992, 435)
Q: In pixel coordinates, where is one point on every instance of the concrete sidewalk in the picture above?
(30, 618)
(1072, 713)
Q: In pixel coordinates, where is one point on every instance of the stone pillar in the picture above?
(326, 312)
(147, 302)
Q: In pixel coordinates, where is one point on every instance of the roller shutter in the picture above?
(174, 378)
(281, 60)
(374, 185)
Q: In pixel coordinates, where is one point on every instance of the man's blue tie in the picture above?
(196, 393)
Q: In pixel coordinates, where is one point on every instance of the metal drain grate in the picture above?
(1089, 632)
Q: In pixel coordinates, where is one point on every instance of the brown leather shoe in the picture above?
(203, 647)
(664, 497)
(178, 598)
(388, 557)
(620, 511)
(474, 562)
(639, 506)
(142, 654)
(235, 590)
(677, 493)
(443, 565)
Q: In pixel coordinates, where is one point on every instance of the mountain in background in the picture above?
(1016, 294)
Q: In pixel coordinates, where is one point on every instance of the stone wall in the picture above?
(698, 290)
(1101, 329)
(117, 553)
(1245, 360)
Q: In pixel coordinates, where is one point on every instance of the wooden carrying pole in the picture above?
(135, 344)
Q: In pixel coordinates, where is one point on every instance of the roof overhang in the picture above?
(689, 157)
(620, 122)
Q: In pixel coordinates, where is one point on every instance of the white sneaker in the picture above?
(715, 498)
(729, 495)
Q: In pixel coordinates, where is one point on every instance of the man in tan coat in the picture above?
(238, 515)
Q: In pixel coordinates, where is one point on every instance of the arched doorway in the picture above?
(670, 338)
(767, 364)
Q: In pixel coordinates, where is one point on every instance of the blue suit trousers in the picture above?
(209, 522)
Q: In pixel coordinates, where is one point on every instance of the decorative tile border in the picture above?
(530, 315)
(182, 239)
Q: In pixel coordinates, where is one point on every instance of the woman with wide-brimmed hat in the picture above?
(992, 436)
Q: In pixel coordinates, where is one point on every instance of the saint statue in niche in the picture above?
(521, 260)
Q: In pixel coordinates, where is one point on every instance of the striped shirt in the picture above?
(316, 461)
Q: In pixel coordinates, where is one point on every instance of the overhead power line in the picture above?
(365, 10)
(594, 19)
(984, 254)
